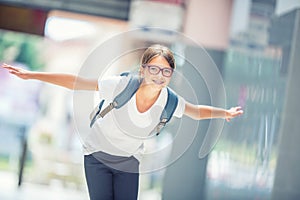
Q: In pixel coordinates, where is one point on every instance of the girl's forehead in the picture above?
(160, 61)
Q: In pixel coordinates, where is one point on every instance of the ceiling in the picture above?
(118, 9)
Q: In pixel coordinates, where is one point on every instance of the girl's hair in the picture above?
(158, 50)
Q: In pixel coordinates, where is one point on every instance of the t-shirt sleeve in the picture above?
(109, 87)
(179, 111)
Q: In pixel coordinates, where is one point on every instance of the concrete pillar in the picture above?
(186, 178)
(287, 176)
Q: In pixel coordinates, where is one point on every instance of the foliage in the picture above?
(21, 48)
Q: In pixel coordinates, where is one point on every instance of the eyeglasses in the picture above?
(154, 70)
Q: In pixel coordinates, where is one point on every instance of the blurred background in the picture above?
(254, 44)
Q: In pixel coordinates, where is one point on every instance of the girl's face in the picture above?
(157, 72)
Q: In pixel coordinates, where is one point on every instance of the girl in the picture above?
(111, 167)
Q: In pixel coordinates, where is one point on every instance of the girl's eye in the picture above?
(167, 72)
(153, 69)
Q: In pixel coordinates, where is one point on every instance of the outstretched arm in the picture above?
(65, 80)
(199, 112)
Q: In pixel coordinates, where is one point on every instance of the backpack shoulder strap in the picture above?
(120, 100)
(168, 111)
(170, 106)
(130, 89)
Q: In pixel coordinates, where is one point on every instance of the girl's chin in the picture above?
(159, 85)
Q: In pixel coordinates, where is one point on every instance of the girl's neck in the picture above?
(148, 92)
(146, 96)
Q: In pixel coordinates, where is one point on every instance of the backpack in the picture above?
(124, 96)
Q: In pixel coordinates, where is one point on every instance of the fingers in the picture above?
(238, 108)
(13, 70)
(19, 72)
(238, 113)
(4, 65)
(234, 112)
(9, 67)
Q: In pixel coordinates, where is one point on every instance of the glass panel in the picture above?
(242, 165)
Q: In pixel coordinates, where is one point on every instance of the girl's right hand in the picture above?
(19, 72)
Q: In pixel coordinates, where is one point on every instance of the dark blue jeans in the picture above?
(111, 177)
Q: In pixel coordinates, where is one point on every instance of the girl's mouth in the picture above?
(158, 82)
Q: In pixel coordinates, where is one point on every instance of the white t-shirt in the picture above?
(122, 131)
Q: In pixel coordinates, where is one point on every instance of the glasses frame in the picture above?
(160, 69)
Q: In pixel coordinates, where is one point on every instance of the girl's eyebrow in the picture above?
(162, 67)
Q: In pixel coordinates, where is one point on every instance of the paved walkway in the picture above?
(55, 191)
(29, 191)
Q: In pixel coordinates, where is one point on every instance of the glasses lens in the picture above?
(167, 72)
(153, 69)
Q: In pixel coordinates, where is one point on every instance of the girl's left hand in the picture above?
(233, 112)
